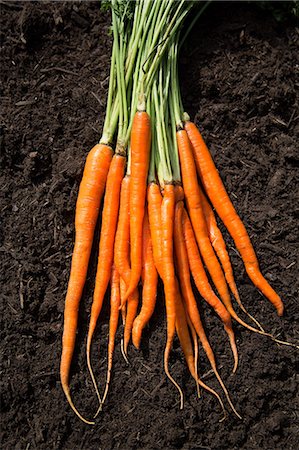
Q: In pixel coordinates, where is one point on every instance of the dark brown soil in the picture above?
(239, 77)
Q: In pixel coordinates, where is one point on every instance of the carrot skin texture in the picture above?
(194, 204)
(167, 221)
(203, 286)
(87, 209)
(217, 193)
(122, 237)
(218, 243)
(108, 230)
(185, 283)
(154, 201)
(113, 323)
(149, 289)
(140, 153)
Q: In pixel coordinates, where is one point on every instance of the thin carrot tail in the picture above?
(232, 340)
(166, 369)
(207, 388)
(66, 390)
(238, 300)
(225, 392)
(263, 333)
(195, 343)
(108, 378)
(88, 350)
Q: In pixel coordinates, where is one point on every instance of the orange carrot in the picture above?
(113, 323)
(218, 243)
(132, 306)
(154, 199)
(168, 275)
(122, 263)
(217, 193)
(150, 281)
(87, 209)
(140, 152)
(188, 296)
(185, 341)
(192, 194)
(105, 259)
(203, 285)
(122, 237)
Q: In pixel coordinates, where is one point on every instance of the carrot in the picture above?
(218, 243)
(140, 152)
(185, 341)
(203, 285)
(217, 193)
(150, 282)
(195, 209)
(105, 259)
(168, 274)
(122, 237)
(113, 323)
(188, 296)
(154, 199)
(87, 209)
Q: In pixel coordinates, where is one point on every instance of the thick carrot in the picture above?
(185, 341)
(154, 201)
(87, 209)
(105, 259)
(203, 285)
(150, 282)
(113, 323)
(140, 152)
(188, 296)
(218, 243)
(168, 274)
(217, 193)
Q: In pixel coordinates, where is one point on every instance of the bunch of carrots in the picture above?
(160, 191)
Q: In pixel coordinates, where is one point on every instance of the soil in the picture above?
(239, 79)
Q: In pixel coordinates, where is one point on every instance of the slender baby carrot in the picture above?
(168, 274)
(188, 296)
(122, 237)
(203, 285)
(113, 323)
(87, 209)
(122, 263)
(154, 201)
(140, 152)
(150, 282)
(218, 243)
(217, 193)
(192, 194)
(106, 248)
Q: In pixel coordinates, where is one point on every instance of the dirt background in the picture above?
(239, 78)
